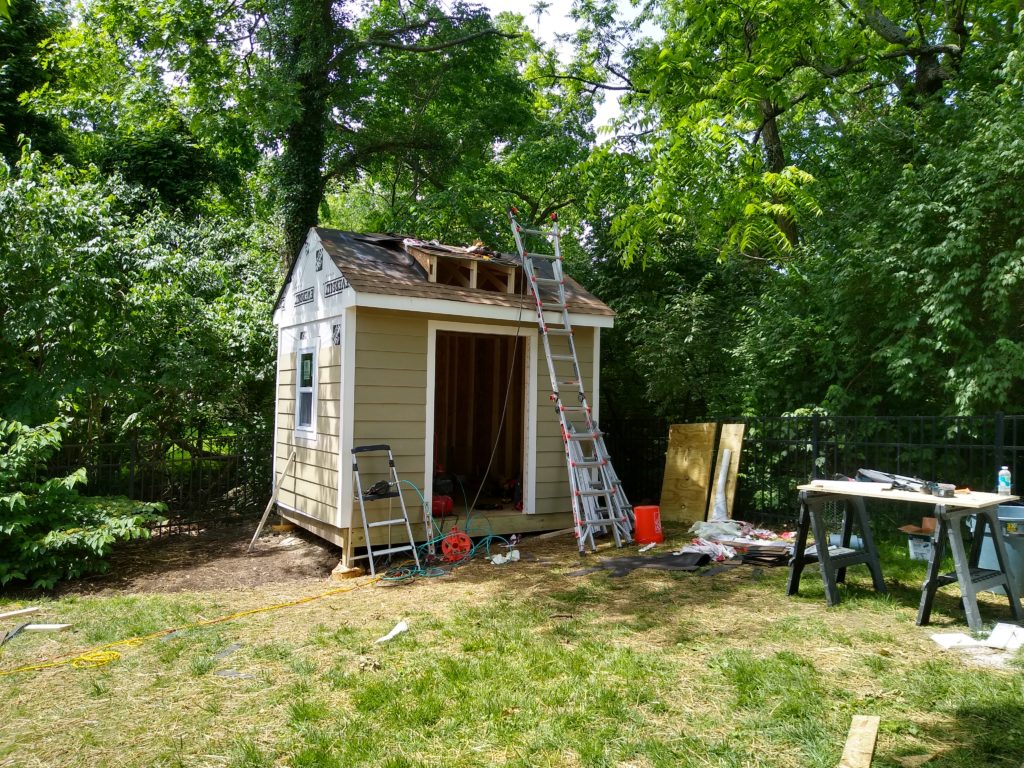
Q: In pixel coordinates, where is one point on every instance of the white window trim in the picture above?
(310, 346)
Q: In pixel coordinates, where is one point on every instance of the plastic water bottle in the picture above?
(1005, 483)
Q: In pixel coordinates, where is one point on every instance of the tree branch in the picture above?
(593, 83)
(414, 48)
(886, 28)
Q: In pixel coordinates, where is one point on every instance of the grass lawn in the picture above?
(518, 665)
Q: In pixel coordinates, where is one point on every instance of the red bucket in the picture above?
(648, 525)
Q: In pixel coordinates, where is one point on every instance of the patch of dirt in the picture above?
(214, 559)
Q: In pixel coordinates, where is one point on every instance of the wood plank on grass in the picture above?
(860, 743)
(731, 438)
(19, 612)
(684, 491)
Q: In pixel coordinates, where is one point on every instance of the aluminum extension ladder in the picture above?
(599, 503)
(385, 489)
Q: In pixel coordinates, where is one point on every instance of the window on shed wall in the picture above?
(305, 383)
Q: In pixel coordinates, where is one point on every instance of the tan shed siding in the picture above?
(312, 484)
(390, 401)
(552, 475)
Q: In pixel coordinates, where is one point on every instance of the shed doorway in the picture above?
(480, 409)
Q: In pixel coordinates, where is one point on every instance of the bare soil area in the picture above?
(213, 559)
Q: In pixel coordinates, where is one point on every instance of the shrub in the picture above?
(49, 532)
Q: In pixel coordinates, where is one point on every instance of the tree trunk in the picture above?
(308, 52)
(775, 161)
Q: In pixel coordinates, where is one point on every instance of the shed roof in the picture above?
(383, 264)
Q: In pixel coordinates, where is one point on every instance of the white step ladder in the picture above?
(385, 489)
(599, 503)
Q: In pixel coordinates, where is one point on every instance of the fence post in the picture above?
(1000, 443)
(815, 447)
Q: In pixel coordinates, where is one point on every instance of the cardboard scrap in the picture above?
(1007, 637)
(927, 526)
(949, 640)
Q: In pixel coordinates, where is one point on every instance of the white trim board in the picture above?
(529, 337)
(463, 309)
(346, 424)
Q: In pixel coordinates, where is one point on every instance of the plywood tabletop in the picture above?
(972, 500)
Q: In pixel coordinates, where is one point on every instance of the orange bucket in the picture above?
(648, 525)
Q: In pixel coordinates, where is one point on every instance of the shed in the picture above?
(434, 350)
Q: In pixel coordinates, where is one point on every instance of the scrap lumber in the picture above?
(860, 743)
(19, 612)
(684, 490)
(731, 439)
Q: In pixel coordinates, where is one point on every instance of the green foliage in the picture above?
(135, 316)
(20, 71)
(49, 532)
(867, 158)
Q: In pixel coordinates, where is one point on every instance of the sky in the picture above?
(554, 21)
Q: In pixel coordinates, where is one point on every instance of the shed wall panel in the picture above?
(390, 395)
(312, 483)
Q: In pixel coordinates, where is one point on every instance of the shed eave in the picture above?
(463, 309)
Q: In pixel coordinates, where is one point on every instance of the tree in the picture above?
(544, 137)
(138, 318)
(21, 72)
(839, 145)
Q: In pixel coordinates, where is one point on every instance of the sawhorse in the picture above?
(833, 561)
(968, 575)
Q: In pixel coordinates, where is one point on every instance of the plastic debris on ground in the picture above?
(725, 539)
(500, 559)
(400, 627)
(717, 552)
(997, 650)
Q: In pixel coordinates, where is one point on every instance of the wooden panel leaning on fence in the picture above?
(690, 464)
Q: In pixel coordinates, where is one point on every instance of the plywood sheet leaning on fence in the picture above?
(730, 440)
(684, 491)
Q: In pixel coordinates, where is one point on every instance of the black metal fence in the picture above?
(204, 481)
(217, 480)
(781, 452)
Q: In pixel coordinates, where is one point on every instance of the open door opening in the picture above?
(478, 378)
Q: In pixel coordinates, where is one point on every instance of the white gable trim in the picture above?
(346, 424)
(315, 290)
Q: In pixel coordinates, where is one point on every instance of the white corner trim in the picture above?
(595, 378)
(277, 412)
(346, 425)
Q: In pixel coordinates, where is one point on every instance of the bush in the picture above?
(49, 532)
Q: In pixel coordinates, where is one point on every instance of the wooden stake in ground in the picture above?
(273, 498)
(860, 743)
